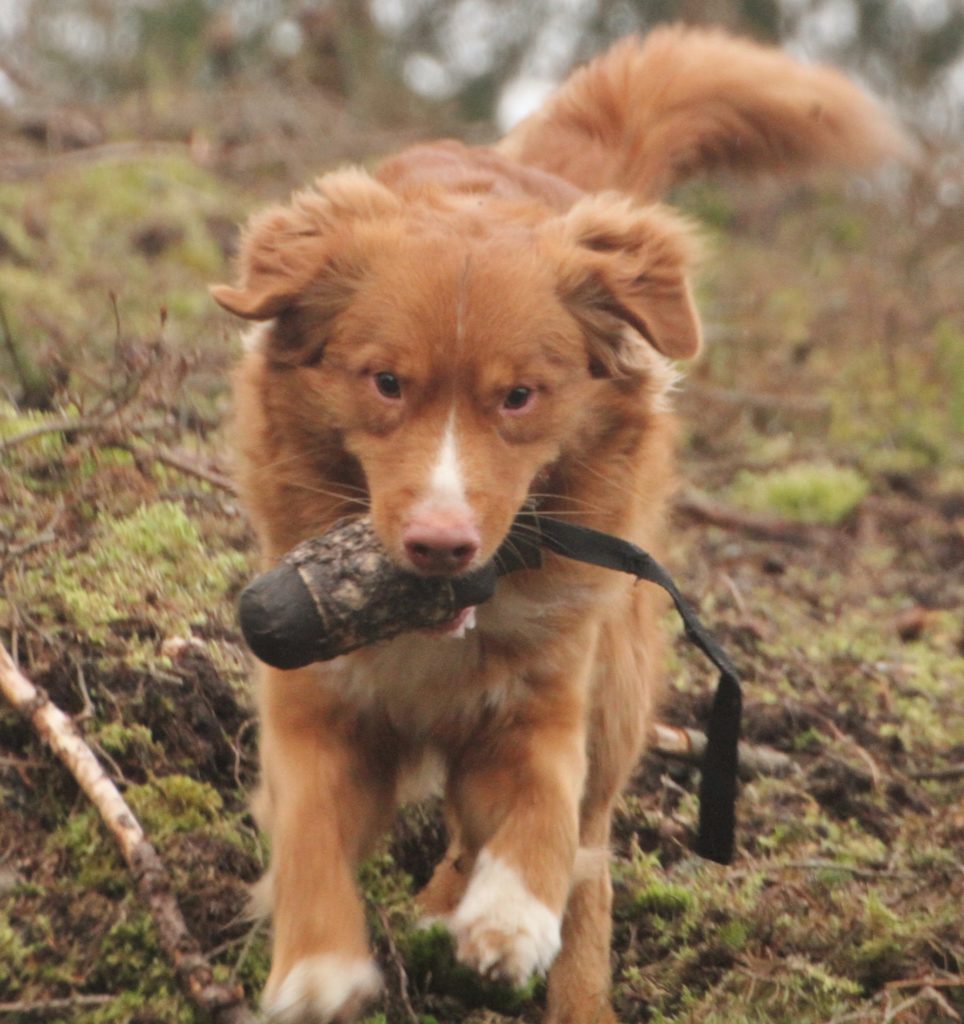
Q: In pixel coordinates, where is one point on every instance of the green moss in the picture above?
(47, 445)
(165, 807)
(816, 492)
(88, 854)
(126, 740)
(949, 338)
(130, 961)
(791, 306)
(139, 229)
(173, 804)
(663, 899)
(149, 567)
(430, 960)
(904, 411)
(14, 953)
(385, 884)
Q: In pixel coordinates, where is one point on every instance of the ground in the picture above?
(820, 531)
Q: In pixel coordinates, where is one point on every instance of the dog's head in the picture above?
(457, 347)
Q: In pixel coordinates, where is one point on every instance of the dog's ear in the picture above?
(294, 252)
(628, 265)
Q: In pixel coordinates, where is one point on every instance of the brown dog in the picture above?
(438, 343)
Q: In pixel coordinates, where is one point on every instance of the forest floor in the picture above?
(820, 532)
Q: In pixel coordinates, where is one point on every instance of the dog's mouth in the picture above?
(456, 627)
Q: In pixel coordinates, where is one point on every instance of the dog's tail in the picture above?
(651, 113)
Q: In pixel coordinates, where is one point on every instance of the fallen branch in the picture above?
(398, 964)
(183, 464)
(73, 425)
(819, 864)
(802, 405)
(49, 1007)
(954, 771)
(101, 423)
(224, 1004)
(688, 745)
(768, 527)
(22, 170)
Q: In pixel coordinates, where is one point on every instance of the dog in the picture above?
(436, 344)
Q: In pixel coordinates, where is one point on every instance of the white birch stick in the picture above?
(225, 1004)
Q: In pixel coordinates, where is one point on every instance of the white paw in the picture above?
(323, 990)
(500, 928)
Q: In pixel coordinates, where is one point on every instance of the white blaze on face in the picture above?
(446, 486)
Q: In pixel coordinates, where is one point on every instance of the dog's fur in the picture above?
(466, 273)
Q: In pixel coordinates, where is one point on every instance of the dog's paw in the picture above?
(327, 989)
(501, 930)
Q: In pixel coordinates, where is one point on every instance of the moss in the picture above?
(663, 899)
(89, 856)
(791, 306)
(173, 804)
(127, 740)
(14, 953)
(429, 955)
(129, 960)
(165, 807)
(13, 421)
(885, 942)
(908, 415)
(141, 231)
(807, 492)
(150, 567)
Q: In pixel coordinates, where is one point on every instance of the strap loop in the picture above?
(720, 762)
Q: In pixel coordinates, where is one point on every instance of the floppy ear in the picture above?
(288, 251)
(627, 265)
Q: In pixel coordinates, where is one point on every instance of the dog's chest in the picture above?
(427, 685)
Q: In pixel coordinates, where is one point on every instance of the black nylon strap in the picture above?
(718, 777)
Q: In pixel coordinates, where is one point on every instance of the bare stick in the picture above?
(224, 1004)
(769, 527)
(821, 865)
(185, 464)
(397, 963)
(64, 426)
(688, 745)
(48, 1007)
(804, 405)
(21, 170)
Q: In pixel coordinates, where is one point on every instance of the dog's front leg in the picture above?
(327, 793)
(517, 794)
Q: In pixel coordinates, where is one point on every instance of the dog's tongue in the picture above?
(454, 628)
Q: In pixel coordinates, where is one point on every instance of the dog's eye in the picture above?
(388, 385)
(517, 398)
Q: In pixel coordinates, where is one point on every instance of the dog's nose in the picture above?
(440, 547)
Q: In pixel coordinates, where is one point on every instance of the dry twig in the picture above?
(688, 745)
(183, 464)
(48, 1007)
(768, 527)
(21, 170)
(224, 1004)
(398, 964)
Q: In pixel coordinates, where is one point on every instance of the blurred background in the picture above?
(471, 62)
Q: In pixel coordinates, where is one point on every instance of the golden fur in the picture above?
(466, 274)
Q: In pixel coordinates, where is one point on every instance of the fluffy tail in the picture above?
(651, 113)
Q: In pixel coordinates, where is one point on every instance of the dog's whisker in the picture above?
(305, 455)
(346, 499)
(614, 482)
(567, 499)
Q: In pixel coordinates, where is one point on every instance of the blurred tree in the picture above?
(480, 58)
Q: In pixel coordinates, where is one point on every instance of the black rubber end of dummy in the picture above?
(279, 619)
